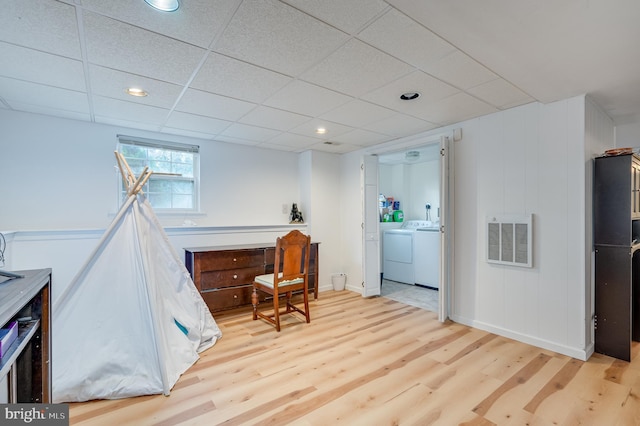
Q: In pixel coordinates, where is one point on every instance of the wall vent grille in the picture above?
(509, 240)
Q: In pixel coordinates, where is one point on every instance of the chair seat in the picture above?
(267, 279)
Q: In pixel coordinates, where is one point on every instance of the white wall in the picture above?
(530, 159)
(59, 193)
(413, 185)
(321, 202)
(350, 193)
(62, 176)
(628, 135)
(423, 187)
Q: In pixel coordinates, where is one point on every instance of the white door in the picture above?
(446, 226)
(370, 227)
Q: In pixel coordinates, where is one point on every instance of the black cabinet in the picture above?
(616, 208)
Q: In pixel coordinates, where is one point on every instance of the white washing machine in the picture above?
(399, 252)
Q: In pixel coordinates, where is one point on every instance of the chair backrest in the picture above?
(292, 256)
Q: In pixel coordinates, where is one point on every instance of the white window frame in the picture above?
(168, 146)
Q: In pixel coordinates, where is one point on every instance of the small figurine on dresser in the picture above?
(296, 215)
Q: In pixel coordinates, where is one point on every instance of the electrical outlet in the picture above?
(285, 209)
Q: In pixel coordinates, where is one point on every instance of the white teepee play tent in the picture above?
(131, 321)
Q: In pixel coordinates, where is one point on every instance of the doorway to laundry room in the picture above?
(409, 183)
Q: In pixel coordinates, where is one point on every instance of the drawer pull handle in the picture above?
(235, 277)
(234, 259)
(235, 296)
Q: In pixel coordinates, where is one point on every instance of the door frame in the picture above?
(371, 243)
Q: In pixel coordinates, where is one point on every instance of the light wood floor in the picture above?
(379, 362)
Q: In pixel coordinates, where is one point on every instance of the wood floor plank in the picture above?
(557, 383)
(520, 377)
(374, 361)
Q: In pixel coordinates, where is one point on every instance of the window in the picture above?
(174, 185)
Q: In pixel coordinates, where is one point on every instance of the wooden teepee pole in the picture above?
(134, 185)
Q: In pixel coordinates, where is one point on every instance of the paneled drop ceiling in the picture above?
(268, 73)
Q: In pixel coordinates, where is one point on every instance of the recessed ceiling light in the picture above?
(136, 92)
(409, 96)
(321, 130)
(164, 5)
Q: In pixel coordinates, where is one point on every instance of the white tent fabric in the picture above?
(131, 322)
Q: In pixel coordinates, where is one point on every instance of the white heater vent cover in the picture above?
(509, 240)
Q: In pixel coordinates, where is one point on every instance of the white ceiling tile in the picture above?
(360, 137)
(128, 123)
(210, 105)
(48, 110)
(198, 123)
(117, 45)
(277, 147)
(335, 148)
(401, 125)
(121, 110)
(234, 140)
(293, 140)
(196, 21)
(332, 129)
(272, 118)
(28, 64)
(230, 77)
(404, 38)
(295, 97)
(17, 91)
(500, 93)
(187, 132)
(460, 71)
(41, 24)
(112, 84)
(456, 108)
(349, 16)
(274, 35)
(356, 68)
(357, 113)
(252, 133)
(431, 90)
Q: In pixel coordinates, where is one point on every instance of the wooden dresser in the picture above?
(224, 274)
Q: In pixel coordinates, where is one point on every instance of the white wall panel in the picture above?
(491, 199)
(553, 213)
(576, 196)
(531, 290)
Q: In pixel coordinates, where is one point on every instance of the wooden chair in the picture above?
(291, 273)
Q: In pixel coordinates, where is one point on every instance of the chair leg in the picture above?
(276, 311)
(306, 306)
(254, 302)
(289, 307)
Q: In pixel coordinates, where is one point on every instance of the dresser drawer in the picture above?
(219, 260)
(228, 298)
(229, 277)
